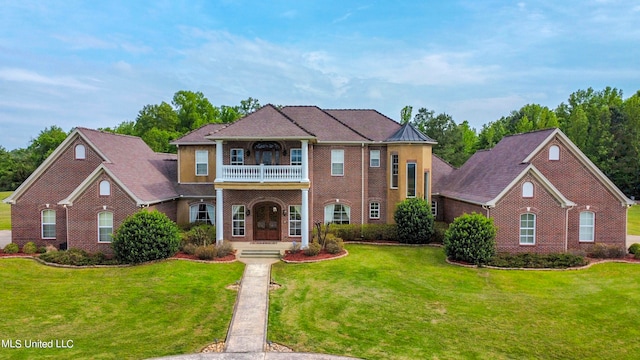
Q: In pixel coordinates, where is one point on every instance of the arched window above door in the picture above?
(267, 152)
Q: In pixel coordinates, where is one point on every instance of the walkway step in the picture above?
(257, 253)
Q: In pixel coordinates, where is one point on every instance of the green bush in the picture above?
(334, 245)
(76, 257)
(440, 228)
(189, 249)
(604, 251)
(348, 232)
(30, 248)
(313, 249)
(11, 248)
(471, 238)
(414, 221)
(146, 236)
(208, 252)
(531, 260)
(224, 249)
(637, 255)
(203, 234)
(382, 232)
(634, 248)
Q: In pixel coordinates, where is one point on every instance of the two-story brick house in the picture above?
(269, 176)
(274, 173)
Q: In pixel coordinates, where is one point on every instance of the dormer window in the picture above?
(554, 153)
(527, 190)
(80, 152)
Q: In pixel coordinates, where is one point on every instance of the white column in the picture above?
(305, 160)
(219, 157)
(219, 217)
(304, 213)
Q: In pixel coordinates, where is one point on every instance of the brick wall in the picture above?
(550, 220)
(56, 183)
(347, 189)
(377, 184)
(579, 185)
(451, 209)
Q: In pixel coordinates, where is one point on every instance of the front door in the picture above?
(266, 221)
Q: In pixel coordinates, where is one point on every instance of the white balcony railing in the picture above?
(261, 173)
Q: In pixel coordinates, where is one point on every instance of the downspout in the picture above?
(487, 207)
(566, 229)
(66, 213)
(362, 187)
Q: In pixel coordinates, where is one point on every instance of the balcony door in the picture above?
(266, 221)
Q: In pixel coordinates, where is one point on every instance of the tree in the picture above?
(193, 110)
(161, 117)
(405, 114)
(248, 106)
(442, 128)
(47, 141)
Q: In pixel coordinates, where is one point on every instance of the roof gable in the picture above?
(265, 123)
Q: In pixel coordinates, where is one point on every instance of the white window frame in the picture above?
(105, 188)
(45, 222)
(330, 213)
(415, 179)
(532, 229)
(395, 171)
(337, 162)
(527, 189)
(236, 156)
(80, 152)
(554, 153)
(195, 212)
(238, 220)
(202, 161)
(298, 154)
(102, 225)
(374, 158)
(374, 210)
(434, 208)
(295, 220)
(584, 226)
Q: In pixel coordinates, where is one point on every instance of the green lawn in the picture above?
(408, 303)
(171, 307)
(5, 211)
(633, 220)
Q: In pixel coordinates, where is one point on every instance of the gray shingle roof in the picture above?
(488, 172)
(408, 133)
(198, 136)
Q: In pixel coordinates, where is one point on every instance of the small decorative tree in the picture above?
(471, 238)
(414, 221)
(146, 236)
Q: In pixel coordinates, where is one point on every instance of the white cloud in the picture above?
(27, 76)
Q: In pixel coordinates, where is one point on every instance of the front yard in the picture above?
(171, 307)
(408, 303)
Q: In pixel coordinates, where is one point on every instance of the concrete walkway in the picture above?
(247, 337)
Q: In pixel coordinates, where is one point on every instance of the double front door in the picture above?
(266, 221)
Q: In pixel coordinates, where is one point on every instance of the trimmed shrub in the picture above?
(414, 221)
(377, 232)
(224, 249)
(347, 232)
(189, 249)
(313, 249)
(634, 248)
(334, 245)
(471, 238)
(208, 252)
(637, 255)
(50, 248)
(30, 248)
(604, 251)
(76, 257)
(531, 260)
(11, 248)
(295, 247)
(146, 236)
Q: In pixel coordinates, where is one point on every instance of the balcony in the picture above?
(261, 173)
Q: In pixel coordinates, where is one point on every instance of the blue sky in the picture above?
(97, 63)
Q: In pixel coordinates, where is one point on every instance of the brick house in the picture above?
(274, 173)
(269, 176)
(543, 193)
